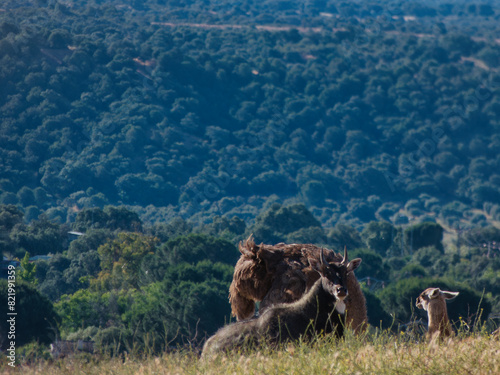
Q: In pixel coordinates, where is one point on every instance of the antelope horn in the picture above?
(322, 257)
(345, 260)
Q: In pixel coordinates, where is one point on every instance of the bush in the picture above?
(36, 319)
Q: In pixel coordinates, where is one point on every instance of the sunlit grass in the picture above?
(377, 352)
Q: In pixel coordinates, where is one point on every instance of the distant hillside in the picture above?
(361, 110)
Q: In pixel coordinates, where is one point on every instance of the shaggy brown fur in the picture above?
(433, 300)
(281, 273)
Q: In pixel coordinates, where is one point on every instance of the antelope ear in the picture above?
(434, 293)
(353, 264)
(449, 295)
(316, 265)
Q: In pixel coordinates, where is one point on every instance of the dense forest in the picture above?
(141, 140)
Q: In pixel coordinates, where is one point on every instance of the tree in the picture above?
(91, 240)
(10, 216)
(36, 319)
(111, 217)
(424, 234)
(373, 265)
(196, 247)
(28, 272)
(40, 237)
(121, 259)
(314, 192)
(273, 225)
(343, 235)
(378, 236)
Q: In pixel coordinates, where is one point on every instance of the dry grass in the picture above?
(374, 354)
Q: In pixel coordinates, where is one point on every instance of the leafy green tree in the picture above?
(314, 192)
(91, 240)
(40, 237)
(343, 235)
(378, 236)
(111, 217)
(81, 270)
(36, 319)
(225, 228)
(28, 272)
(314, 235)
(10, 216)
(86, 308)
(121, 259)
(274, 224)
(50, 275)
(425, 234)
(372, 264)
(377, 316)
(174, 228)
(196, 247)
(26, 196)
(90, 218)
(122, 218)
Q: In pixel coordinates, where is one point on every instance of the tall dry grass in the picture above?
(373, 353)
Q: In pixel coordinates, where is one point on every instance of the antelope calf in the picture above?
(433, 300)
(320, 310)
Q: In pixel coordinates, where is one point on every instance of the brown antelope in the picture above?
(433, 300)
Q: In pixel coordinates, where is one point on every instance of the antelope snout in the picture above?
(340, 291)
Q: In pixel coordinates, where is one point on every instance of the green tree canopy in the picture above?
(273, 225)
(36, 319)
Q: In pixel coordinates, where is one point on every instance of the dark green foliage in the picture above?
(424, 234)
(343, 235)
(40, 237)
(112, 218)
(91, 240)
(275, 224)
(10, 216)
(205, 121)
(410, 270)
(229, 229)
(195, 248)
(372, 265)
(428, 257)
(377, 316)
(378, 236)
(36, 319)
(314, 235)
(175, 228)
(51, 280)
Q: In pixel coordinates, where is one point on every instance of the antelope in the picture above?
(433, 300)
